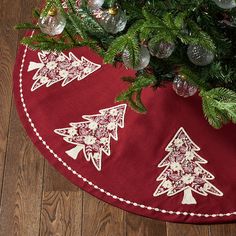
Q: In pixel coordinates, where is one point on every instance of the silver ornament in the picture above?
(161, 50)
(182, 87)
(200, 56)
(53, 23)
(95, 4)
(113, 20)
(225, 4)
(143, 60)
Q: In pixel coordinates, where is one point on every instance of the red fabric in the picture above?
(127, 178)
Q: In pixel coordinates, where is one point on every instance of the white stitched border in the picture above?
(89, 182)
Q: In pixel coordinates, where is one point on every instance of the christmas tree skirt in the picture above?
(168, 164)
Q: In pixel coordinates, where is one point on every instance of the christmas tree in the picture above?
(55, 67)
(191, 43)
(93, 136)
(183, 171)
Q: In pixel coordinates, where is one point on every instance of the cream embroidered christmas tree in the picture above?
(54, 67)
(93, 136)
(183, 171)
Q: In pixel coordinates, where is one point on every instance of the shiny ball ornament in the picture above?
(200, 56)
(143, 62)
(182, 87)
(113, 20)
(225, 4)
(161, 50)
(53, 23)
(95, 4)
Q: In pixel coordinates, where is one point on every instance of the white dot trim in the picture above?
(70, 169)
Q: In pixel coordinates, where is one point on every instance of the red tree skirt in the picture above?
(169, 164)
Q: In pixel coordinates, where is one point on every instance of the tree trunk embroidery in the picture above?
(188, 197)
(183, 171)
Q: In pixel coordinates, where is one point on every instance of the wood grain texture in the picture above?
(62, 203)
(101, 219)
(8, 44)
(54, 181)
(187, 230)
(22, 186)
(22, 182)
(61, 213)
(223, 230)
(140, 226)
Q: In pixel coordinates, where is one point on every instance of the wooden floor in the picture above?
(34, 198)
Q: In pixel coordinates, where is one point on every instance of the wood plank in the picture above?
(8, 44)
(61, 212)
(186, 230)
(101, 219)
(223, 230)
(141, 226)
(54, 181)
(22, 186)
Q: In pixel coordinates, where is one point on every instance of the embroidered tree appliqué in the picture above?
(55, 67)
(93, 136)
(183, 171)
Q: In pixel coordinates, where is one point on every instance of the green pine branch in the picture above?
(26, 26)
(182, 22)
(133, 94)
(45, 43)
(219, 106)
